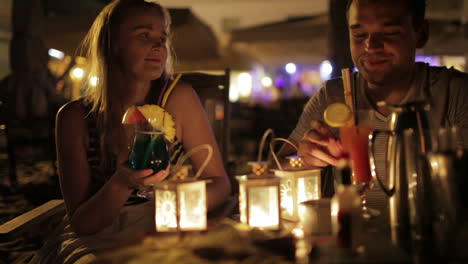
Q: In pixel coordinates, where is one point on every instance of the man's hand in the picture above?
(318, 147)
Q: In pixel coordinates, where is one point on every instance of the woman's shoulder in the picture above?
(183, 91)
(74, 111)
(183, 87)
(183, 102)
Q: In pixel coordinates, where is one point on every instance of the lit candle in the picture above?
(259, 201)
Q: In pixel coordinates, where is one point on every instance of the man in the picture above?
(384, 36)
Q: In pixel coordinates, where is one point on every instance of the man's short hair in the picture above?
(417, 8)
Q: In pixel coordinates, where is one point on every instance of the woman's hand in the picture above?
(319, 147)
(139, 178)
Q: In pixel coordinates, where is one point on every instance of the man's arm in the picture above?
(313, 138)
(310, 112)
(459, 108)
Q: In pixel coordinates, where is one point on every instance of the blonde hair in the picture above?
(97, 47)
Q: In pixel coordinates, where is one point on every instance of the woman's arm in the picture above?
(194, 129)
(89, 212)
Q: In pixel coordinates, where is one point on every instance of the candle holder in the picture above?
(259, 201)
(259, 196)
(298, 184)
(180, 201)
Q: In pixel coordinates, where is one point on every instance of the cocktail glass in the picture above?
(149, 151)
(355, 141)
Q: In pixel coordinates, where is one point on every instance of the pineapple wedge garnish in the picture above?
(159, 119)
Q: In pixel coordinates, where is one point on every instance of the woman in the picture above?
(128, 50)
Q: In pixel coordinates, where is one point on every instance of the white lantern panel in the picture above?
(308, 188)
(263, 207)
(287, 197)
(243, 203)
(166, 210)
(192, 206)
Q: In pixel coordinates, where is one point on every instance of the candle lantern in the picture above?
(298, 184)
(180, 205)
(259, 199)
(180, 201)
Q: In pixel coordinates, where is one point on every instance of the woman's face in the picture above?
(141, 44)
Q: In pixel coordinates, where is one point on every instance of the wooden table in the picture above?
(226, 241)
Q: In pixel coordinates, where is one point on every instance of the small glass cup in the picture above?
(149, 151)
(355, 140)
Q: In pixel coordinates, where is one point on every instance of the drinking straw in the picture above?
(348, 93)
(354, 101)
(148, 150)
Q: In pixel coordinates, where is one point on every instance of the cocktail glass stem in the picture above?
(365, 210)
(367, 213)
(145, 192)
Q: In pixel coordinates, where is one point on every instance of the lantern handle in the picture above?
(262, 142)
(182, 159)
(272, 150)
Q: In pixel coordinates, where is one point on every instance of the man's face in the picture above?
(383, 40)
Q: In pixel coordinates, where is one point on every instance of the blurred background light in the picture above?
(78, 73)
(326, 70)
(279, 82)
(290, 68)
(428, 59)
(233, 93)
(267, 81)
(56, 54)
(244, 81)
(93, 81)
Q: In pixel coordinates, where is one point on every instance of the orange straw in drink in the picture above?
(348, 93)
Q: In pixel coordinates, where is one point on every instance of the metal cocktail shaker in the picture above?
(409, 191)
(449, 170)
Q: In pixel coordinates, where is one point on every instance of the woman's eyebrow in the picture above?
(137, 27)
(148, 27)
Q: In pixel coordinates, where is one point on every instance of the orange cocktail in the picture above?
(355, 141)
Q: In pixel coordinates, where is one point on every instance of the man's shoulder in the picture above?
(333, 87)
(334, 83)
(445, 82)
(437, 72)
(458, 74)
